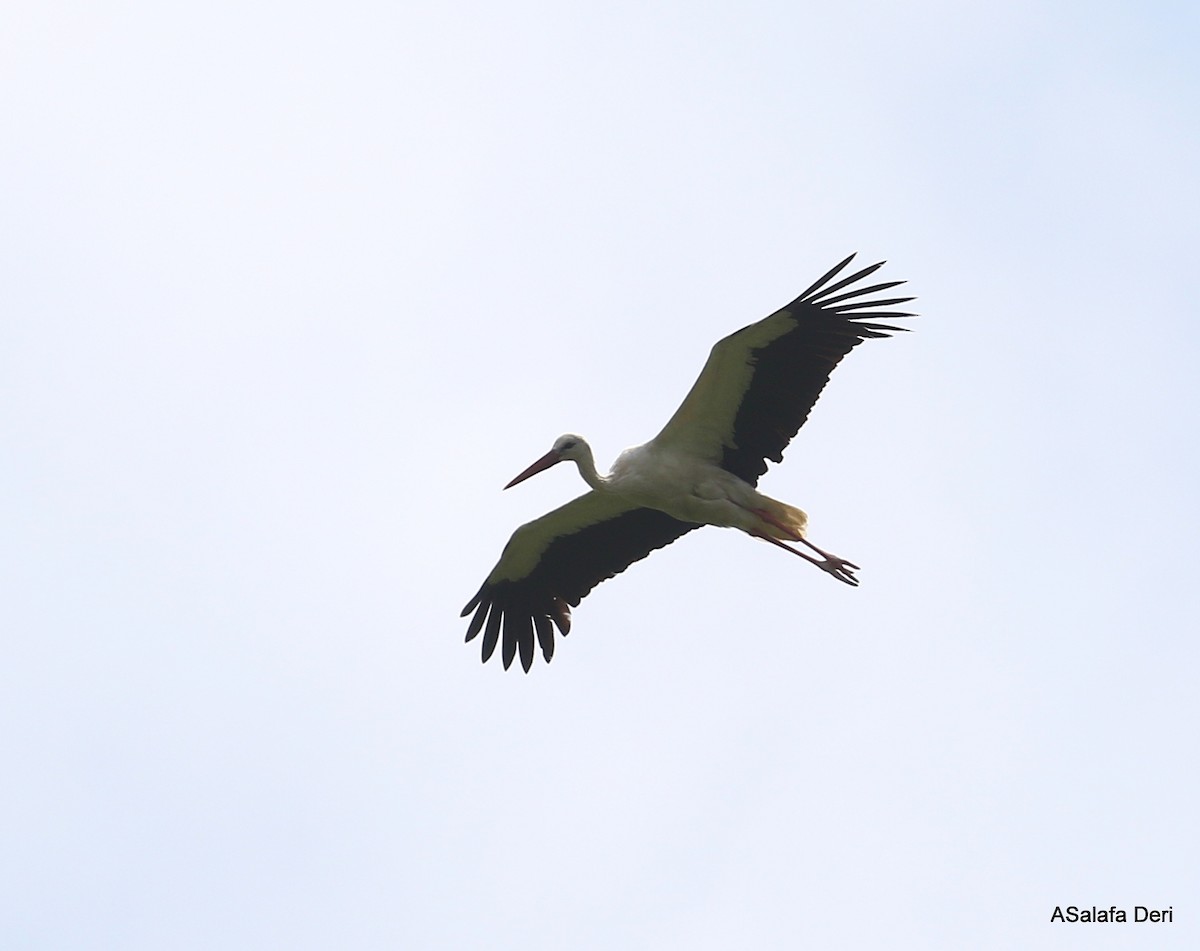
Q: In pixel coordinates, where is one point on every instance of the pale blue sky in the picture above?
(289, 291)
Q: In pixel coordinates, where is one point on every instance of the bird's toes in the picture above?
(840, 569)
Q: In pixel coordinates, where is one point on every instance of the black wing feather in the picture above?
(569, 567)
(791, 371)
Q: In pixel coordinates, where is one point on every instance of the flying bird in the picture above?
(751, 398)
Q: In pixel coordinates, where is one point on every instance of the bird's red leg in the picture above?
(838, 567)
(826, 555)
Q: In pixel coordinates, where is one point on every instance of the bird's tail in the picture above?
(781, 520)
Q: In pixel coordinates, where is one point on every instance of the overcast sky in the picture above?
(288, 291)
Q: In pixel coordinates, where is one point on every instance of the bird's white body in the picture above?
(688, 488)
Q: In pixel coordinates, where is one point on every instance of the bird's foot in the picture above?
(840, 568)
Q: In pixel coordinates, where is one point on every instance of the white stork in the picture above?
(751, 398)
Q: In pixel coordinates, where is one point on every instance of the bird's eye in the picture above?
(569, 444)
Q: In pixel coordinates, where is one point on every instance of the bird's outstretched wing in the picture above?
(760, 383)
(550, 564)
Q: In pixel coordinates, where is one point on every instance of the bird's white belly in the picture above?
(684, 488)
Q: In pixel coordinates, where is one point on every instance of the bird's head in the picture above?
(568, 446)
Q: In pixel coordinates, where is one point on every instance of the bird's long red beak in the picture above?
(549, 459)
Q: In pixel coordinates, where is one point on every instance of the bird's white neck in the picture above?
(587, 468)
